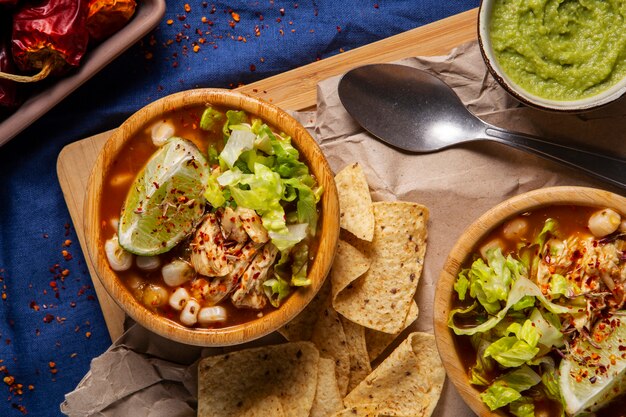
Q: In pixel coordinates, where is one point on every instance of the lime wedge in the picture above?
(592, 376)
(165, 201)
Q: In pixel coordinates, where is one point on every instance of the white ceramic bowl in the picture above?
(573, 106)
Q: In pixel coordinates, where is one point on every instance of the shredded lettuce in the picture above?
(295, 234)
(239, 142)
(521, 288)
(524, 407)
(213, 192)
(479, 372)
(209, 118)
(508, 387)
(512, 351)
(233, 119)
(276, 289)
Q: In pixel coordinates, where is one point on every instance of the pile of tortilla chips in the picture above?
(326, 368)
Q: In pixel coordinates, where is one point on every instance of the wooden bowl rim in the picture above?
(328, 232)
(563, 195)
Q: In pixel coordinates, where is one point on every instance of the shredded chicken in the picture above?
(250, 293)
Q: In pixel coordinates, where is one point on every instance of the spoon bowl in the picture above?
(415, 111)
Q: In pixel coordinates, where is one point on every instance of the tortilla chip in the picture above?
(407, 383)
(349, 264)
(366, 410)
(268, 406)
(359, 360)
(355, 202)
(235, 383)
(381, 298)
(301, 327)
(328, 399)
(377, 342)
(330, 339)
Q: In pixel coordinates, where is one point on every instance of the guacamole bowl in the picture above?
(537, 239)
(191, 205)
(561, 58)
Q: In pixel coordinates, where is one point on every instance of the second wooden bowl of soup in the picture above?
(211, 217)
(530, 306)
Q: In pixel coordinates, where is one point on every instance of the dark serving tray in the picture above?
(149, 13)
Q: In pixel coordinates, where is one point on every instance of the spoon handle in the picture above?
(608, 168)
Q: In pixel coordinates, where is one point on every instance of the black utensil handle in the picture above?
(610, 169)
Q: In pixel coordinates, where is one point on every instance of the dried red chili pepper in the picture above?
(49, 36)
(8, 89)
(106, 17)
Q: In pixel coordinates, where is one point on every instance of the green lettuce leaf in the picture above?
(276, 289)
(233, 119)
(285, 240)
(521, 288)
(210, 117)
(524, 407)
(512, 351)
(213, 192)
(238, 142)
(508, 387)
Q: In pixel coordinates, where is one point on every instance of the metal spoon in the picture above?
(416, 111)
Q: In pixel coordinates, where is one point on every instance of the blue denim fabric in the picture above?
(34, 221)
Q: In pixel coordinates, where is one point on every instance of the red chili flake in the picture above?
(235, 16)
(376, 6)
(73, 355)
(278, 20)
(9, 380)
(65, 272)
(252, 67)
(182, 17)
(67, 243)
(45, 236)
(282, 11)
(170, 21)
(231, 24)
(37, 332)
(73, 304)
(88, 335)
(187, 7)
(34, 305)
(48, 318)
(339, 29)
(67, 229)
(52, 364)
(4, 296)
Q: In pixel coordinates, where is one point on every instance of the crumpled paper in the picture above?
(143, 374)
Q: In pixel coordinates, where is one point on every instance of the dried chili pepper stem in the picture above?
(47, 68)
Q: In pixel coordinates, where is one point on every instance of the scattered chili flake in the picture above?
(182, 17)
(65, 272)
(196, 48)
(170, 21)
(252, 67)
(339, 29)
(67, 243)
(31, 387)
(187, 7)
(51, 364)
(4, 296)
(88, 335)
(9, 380)
(235, 16)
(34, 305)
(73, 355)
(66, 255)
(282, 11)
(48, 318)
(45, 236)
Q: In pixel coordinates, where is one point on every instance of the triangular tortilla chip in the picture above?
(377, 342)
(381, 298)
(366, 410)
(349, 264)
(328, 399)
(330, 339)
(232, 384)
(407, 383)
(359, 360)
(355, 202)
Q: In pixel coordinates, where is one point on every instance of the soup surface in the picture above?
(538, 312)
(209, 217)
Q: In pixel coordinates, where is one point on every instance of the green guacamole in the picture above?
(561, 49)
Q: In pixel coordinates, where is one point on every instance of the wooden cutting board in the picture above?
(292, 90)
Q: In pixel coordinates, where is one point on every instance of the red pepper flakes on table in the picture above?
(235, 16)
(48, 36)
(105, 17)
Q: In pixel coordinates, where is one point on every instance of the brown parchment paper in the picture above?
(145, 375)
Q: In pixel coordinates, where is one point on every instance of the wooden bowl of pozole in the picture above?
(530, 306)
(211, 217)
